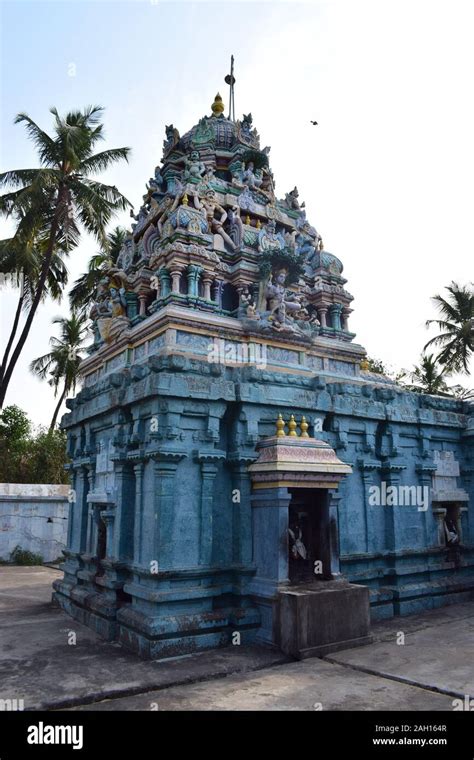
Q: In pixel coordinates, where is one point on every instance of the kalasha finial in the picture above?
(280, 426)
(292, 427)
(218, 106)
(364, 365)
(304, 428)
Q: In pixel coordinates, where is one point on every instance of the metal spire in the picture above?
(230, 80)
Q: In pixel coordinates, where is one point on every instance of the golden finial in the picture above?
(364, 365)
(185, 199)
(259, 224)
(292, 427)
(218, 106)
(247, 220)
(280, 426)
(304, 428)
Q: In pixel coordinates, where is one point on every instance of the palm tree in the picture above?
(81, 292)
(21, 263)
(62, 362)
(456, 338)
(60, 196)
(427, 377)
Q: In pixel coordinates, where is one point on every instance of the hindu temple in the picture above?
(235, 468)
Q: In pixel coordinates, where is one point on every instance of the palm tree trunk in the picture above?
(5, 380)
(58, 407)
(12, 336)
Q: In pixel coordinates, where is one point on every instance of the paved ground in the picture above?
(433, 666)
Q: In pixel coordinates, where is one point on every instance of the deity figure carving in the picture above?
(303, 225)
(172, 138)
(210, 178)
(141, 216)
(246, 123)
(269, 239)
(194, 168)
(204, 132)
(118, 302)
(125, 257)
(210, 206)
(291, 200)
(209, 175)
(252, 177)
(268, 185)
(281, 305)
(109, 310)
(246, 134)
(304, 247)
(236, 227)
(248, 304)
(157, 184)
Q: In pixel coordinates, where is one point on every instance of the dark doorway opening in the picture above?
(309, 547)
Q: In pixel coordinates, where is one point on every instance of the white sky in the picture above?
(387, 176)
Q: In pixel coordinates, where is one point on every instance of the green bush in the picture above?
(21, 556)
(28, 456)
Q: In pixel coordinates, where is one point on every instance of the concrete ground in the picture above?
(433, 665)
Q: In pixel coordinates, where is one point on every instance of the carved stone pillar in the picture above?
(322, 311)
(333, 502)
(89, 547)
(164, 278)
(207, 281)
(79, 511)
(162, 547)
(142, 300)
(124, 511)
(241, 509)
(368, 469)
(138, 524)
(345, 318)
(108, 516)
(218, 288)
(335, 310)
(193, 278)
(209, 468)
(391, 473)
(175, 279)
(425, 474)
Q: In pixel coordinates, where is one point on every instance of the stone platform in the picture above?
(322, 617)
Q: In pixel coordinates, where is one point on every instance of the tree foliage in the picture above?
(28, 455)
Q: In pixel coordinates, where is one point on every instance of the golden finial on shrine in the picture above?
(304, 428)
(292, 427)
(185, 199)
(280, 426)
(218, 106)
(247, 220)
(259, 224)
(364, 365)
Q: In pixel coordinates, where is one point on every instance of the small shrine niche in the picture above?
(449, 502)
(308, 537)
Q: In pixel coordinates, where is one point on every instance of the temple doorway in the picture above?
(309, 551)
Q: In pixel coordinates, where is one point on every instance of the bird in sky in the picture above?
(315, 123)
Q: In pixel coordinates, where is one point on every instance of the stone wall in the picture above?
(34, 517)
(157, 452)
